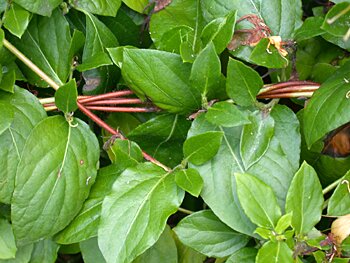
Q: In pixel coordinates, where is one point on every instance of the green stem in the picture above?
(185, 211)
(331, 186)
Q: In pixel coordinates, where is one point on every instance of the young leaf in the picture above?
(283, 223)
(16, 20)
(339, 203)
(204, 232)
(91, 252)
(100, 7)
(206, 70)
(58, 165)
(7, 240)
(41, 7)
(243, 83)
(135, 224)
(275, 252)
(265, 233)
(44, 251)
(305, 199)
(198, 152)
(66, 97)
(190, 181)
(226, 114)
(246, 255)
(256, 137)
(258, 200)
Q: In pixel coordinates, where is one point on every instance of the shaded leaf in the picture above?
(91, 252)
(7, 240)
(16, 20)
(44, 251)
(66, 97)
(8, 81)
(41, 7)
(22, 255)
(97, 60)
(189, 180)
(339, 203)
(310, 28)
(246, 255)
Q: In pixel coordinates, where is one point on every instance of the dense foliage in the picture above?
(176, 131)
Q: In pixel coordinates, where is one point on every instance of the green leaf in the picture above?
(44, 251)
(7, 240)
(7, 115)
(206, 70)
(258, 200)
(46, 42)
(339, 203)
(164, 250)
(16, 20)
(27, 113)
(243, 83)
(329, 107)
(91, 252)
(8, 81)
(97, 60)
(22, 255)
(187, 254)
(219, 31)
(58, 165)
(85, 224)
(305, 199)
(265, 233)
(198, 152)
(336, 24)
(138, 6)
(204, 232)
(162, 77)
(121, 150)
(310, 28)
(134, 227)
(77, 42)
(41, 7)
(246, 255)
(267, 56)
(226, 114)
(284, 222)
(189, 180)
(66, 97)
(275, 252)
(99, 7)
(256, 137)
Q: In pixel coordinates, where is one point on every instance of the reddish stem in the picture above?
(268, 88)
(115, 94)
(114, 102)
(291, 89)
(120, 109)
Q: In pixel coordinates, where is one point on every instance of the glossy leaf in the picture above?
(27, 113)
(22, 255)
(133, 225)
(7, 240)
(98, 60)
(138, 6)
(66, 97)
(187, 254)
(204, 232)
(189, 180)
(7, 115)
(16, 20)
(46, 42)
(310, 28)
(162, 77)
(8, 80)
(284, 222)
(91, 252)
(58, 164)
(246, 255)
(256, 137)
(339, 203)
(41, 7)
(99, 7)
(335, 24)
(258, 200)
(305, 199)
(198, 152)
(274, 252)
(122, 150)
(329, 107)
(243, 83)
(226, 114)
(44, 251)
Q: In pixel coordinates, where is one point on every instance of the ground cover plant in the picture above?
(174, 131)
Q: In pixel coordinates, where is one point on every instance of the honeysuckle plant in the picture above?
(174, 131)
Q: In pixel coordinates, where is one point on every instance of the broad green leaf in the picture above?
(165, 136)
(46, 42)
(138, 6)
(264, 232)
(267, 55)
(44, 251)
(305, 199)
(41, 7)
(69, 249)
(16, 20)
(284, 222)
(204, 232)
(162, 77)
(91, 252)
(58, 165)
(329, 107)
(226, 114)
(27, 113)
(8, 81)
(243, 83)
(77, 42)
(7, 240)
(122, 150)
(22, 255)
(310, 28)
(201, 148)
(7, 115)
(189, 180)
(258, 200)
(275, 252)
(187, 254)
(134, 226)
(219, 31)
(246, 255)
(336, 24)
(85, 224)
(256, 137)
(339, 203)
(97, 60)
(164, 250)
(99, 7)
(173, 39)
(66, 97)
(206, 71)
